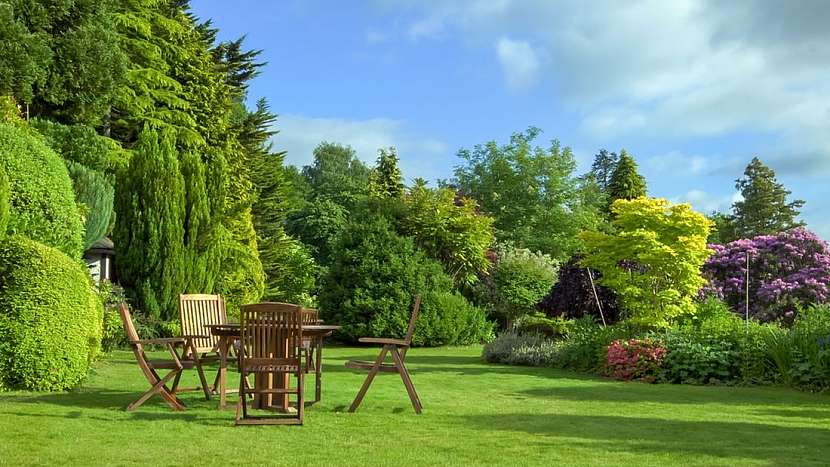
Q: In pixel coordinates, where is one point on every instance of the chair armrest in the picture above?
(384, 341)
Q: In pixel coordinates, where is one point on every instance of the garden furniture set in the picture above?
(272, 342)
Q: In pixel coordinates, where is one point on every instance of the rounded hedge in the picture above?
(41, 200)
(50, 317)
(371, 284)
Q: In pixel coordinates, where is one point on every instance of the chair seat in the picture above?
(384, 341)
(366, 365)
(272, 368)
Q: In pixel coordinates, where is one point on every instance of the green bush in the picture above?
(50, 317)
(517, 282)
(371, 283)
(539, 323)
(447, 318)
(4, 203)
(585, 346)
(514, 348)
(82, 145)
(113, 335)
(41, 200)
(802, 353)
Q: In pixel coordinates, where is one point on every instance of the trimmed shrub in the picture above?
(50, 317)
(508, 345)
(372, 281)
(41, 201)
(573, 296)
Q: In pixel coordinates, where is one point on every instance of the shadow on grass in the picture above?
(635, 393)
(781, 445)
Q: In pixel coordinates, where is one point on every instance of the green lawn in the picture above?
(474, 413)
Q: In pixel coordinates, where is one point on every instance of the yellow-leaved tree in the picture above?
(653, 258)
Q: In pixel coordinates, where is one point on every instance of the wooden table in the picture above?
(229, 333)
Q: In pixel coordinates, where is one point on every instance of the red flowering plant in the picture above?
(639, 359)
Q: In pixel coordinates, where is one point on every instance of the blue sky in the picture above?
(692, 89)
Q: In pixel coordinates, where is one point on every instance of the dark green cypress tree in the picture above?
(764, 209)
(149, 229)
(603, 167)
(625, 182)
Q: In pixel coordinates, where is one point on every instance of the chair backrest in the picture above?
(129, 330)
(310, 316)
(270, 333)
(411, 329)
(196, 312)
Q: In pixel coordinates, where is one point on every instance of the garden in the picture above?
(564, 317)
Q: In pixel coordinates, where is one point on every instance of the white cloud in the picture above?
(705, 202)
(374, 37)
(519, 63)
(675, 161)
(670, 70)
(420, 155)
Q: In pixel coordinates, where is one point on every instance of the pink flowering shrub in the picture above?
(635, 359)
(787, 270)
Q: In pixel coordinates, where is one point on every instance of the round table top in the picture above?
(232, 329)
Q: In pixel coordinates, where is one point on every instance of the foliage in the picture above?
(521, 279)
(113, 335)
(450, 230)
(515, 348)
(573, 295)
(585, 346)
(653, 259)
(317, 224)
(337, 174)
(167, 237)
(447, 318)
(635, 359)
(50, 317)
(5, 193)
(241, 278)
(786, 270)
(625, 183)
(603, 168)
(41, 202)
(65, 59)
(385, 179)
(82, 145)
(538, 323)
(531, 192)
(802, 355)
(723, 229)
(97, 195)
(763, 209)
(372, 281)
(289, 268)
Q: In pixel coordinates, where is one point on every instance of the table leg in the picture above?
(318, 368)
(223, 371)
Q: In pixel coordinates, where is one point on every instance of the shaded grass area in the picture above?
(474, 414)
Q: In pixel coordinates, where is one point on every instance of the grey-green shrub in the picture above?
(50, 317)
(41, 201)
(96, 193)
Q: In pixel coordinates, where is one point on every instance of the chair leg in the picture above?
(202, 379)
(318, 370)
(176, 383)
(242, 404)
(375, 368)
(160, 389)
(407, 380)
(300, 395)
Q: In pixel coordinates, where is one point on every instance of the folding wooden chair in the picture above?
(196, 312)
(271, 336)
(397, 349)
(176, 364)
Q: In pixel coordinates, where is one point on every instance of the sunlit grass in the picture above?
(474, 413)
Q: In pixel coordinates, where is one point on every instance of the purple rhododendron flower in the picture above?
(786, 270)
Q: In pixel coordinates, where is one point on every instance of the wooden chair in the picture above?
(196, 312)
(271, 336)
(397, 348)
(176, 364)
